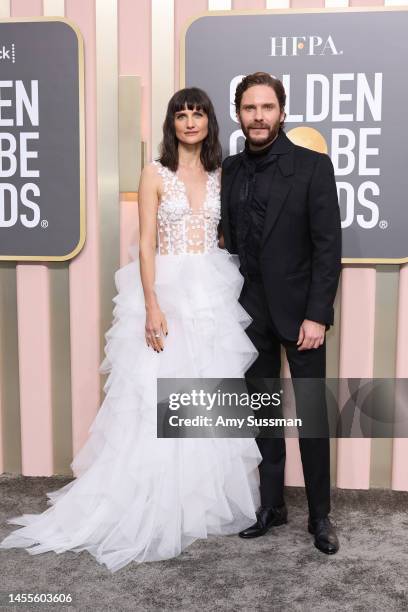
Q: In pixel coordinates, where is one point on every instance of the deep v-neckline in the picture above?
(206, 193)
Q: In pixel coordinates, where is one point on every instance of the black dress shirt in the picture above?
(248, 203)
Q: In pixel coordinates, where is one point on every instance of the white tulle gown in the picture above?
(136, 497)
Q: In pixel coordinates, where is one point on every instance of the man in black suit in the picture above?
(280, 214)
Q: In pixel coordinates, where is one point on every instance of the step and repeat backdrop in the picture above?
(103, 71)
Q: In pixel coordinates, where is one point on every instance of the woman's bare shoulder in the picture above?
(151, 169)
(150, 175)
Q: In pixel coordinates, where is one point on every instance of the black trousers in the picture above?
(315, 452)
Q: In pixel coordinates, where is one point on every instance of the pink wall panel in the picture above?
(135, 58)
(356, 360)
(184, 11)
(400, 447)
(302, 4)
(134, 22)
(366, 3)
(26, 8)
(248, 5)
(84, 269)
(34, 348)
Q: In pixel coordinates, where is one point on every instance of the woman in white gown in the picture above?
(137, 497)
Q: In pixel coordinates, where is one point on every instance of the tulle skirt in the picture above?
(137, 497)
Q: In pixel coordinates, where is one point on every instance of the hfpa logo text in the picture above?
(282, 46)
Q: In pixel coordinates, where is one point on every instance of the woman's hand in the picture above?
(155, 328)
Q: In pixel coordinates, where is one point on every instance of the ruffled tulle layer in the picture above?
(137, 497)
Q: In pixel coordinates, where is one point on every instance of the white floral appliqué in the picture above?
(180, 229)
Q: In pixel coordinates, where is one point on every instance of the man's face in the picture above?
(260, 115)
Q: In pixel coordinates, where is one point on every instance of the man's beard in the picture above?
(271, 131)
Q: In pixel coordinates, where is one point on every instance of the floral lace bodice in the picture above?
(180, 229)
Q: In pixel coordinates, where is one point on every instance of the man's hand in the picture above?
(311, 335)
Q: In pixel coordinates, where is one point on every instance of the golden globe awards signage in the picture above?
(347, 96)
(42, 185)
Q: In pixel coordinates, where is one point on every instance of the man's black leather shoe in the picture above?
(266, 518)
(325, 535)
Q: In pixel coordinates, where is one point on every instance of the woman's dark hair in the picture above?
(192, 98)
(260, 78)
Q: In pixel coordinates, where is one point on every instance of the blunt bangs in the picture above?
(191, 98)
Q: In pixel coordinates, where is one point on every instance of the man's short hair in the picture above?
(260, 78)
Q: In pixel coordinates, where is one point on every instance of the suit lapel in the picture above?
(228, 177)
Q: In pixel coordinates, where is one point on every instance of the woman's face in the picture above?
(191, 126)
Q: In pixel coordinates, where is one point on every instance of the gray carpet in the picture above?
(280, 571)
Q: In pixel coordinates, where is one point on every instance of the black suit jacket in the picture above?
(300, 258)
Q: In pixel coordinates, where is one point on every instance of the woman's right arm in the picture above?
(148, 201)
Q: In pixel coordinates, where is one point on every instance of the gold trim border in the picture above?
(82, 178)
(349, 9)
